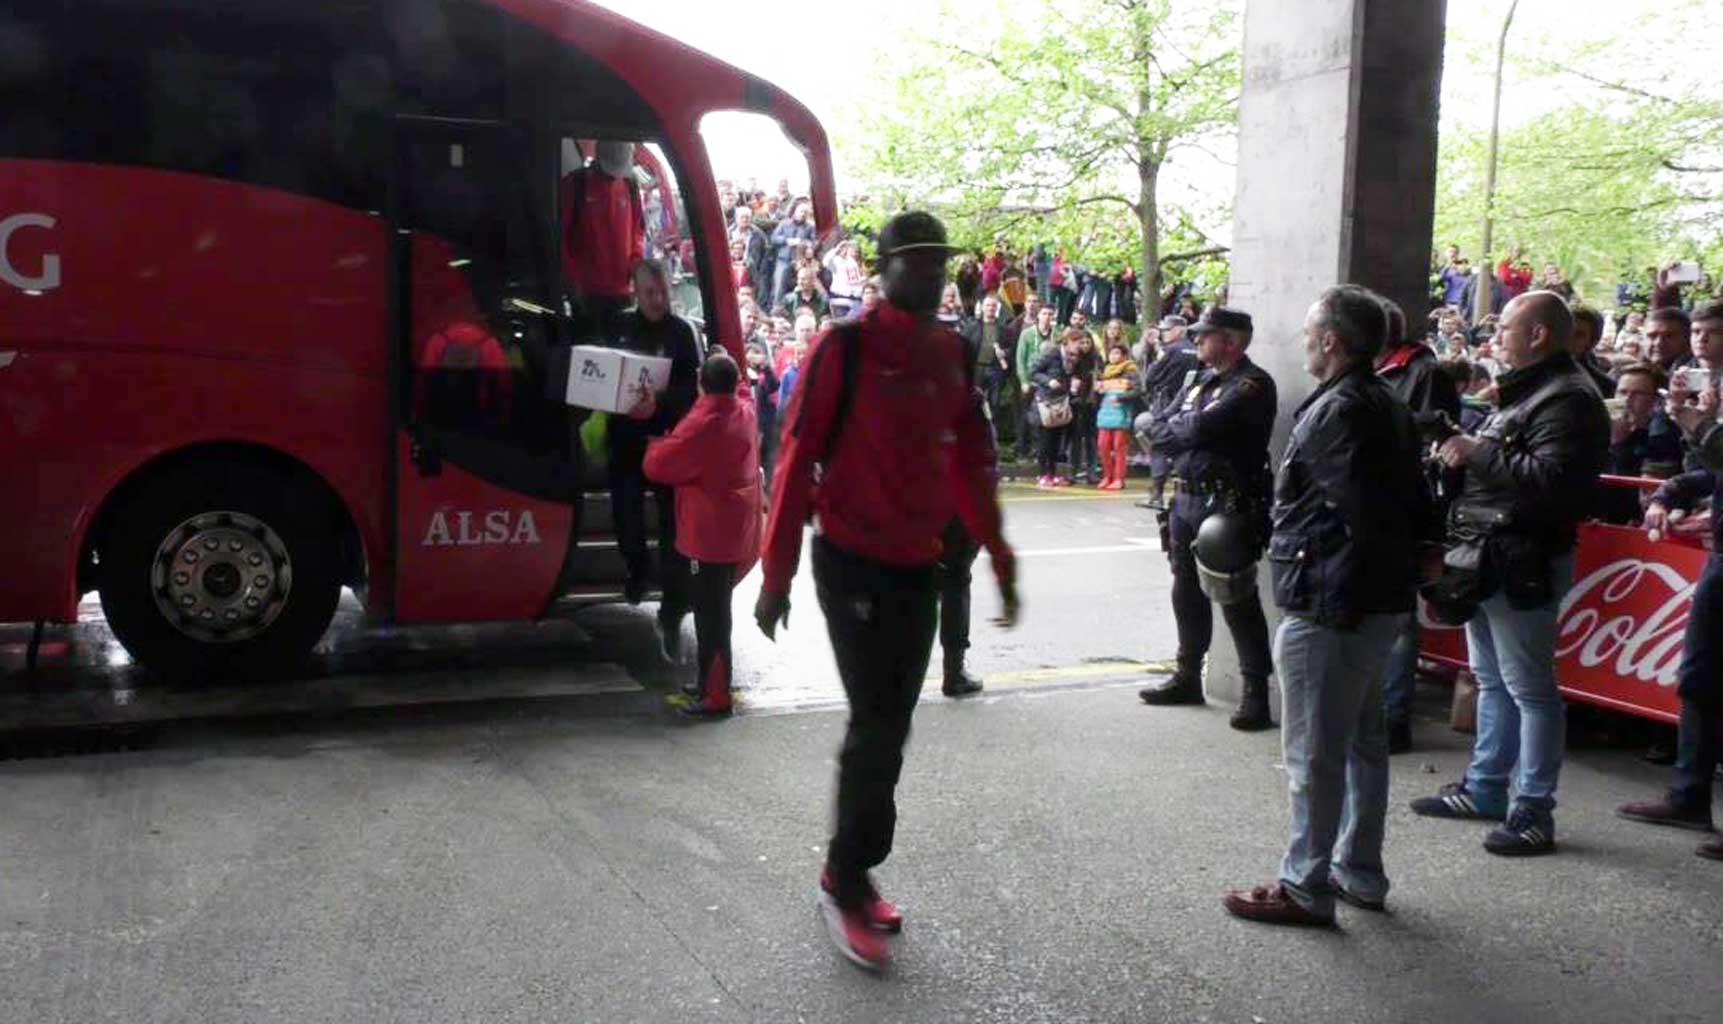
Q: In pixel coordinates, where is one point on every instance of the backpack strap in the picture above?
(847, 334)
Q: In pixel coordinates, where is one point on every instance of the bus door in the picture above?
(487, 463)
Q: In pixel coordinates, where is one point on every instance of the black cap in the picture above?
(913, 231)
(1219, 318)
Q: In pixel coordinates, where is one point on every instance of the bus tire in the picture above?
(220, 570)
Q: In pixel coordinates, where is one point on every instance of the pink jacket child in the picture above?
(712, 459)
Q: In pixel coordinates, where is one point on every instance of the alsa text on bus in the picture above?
(499, 526)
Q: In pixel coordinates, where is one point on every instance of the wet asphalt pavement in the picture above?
(505, 823)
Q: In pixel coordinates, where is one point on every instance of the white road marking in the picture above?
(1131, 544)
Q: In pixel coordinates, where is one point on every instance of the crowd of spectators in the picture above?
(1013, 309)
(1653, 346)
(1652, 349)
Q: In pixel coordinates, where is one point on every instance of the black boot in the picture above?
(1185, 686)
(959, 683)
(1252, 714)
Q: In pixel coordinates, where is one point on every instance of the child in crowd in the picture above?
(1121, 384)
(712, 458)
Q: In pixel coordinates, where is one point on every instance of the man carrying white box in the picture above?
(656, 386)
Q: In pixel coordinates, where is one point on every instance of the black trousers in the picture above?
(710, 586)
(956, 565)
(1052, 441)
(1700, 742)
(1064, 301)
(1028, 428)
(768, 451)
(993, 381)
(1082, 437)
(1194, 614)
(881, 620)
(628, 487)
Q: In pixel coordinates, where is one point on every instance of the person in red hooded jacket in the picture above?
(712, 458)
(887, 408)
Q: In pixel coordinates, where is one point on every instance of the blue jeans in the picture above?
(1402, 674)
(1334, 742)
(1521, 718)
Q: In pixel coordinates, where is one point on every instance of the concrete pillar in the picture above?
(1336, 181)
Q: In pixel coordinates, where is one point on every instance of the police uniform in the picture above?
(1215, 434)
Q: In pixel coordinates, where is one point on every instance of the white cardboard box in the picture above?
(611, 379)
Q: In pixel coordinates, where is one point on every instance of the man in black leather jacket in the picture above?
(1350, 508)
(1529, 476)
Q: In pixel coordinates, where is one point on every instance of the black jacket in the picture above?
(1350, 505)
(1216, 431)
(1050, 368)
(1422, 386)
(672, 338)
(1685, 491)
(1599, 374)
(1005, 346)
(1164, 378)
(757, 254)
(1534, 475)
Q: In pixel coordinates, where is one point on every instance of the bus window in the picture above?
(670, 236)
(452, 56)
(601, 218)
(187, 87)
(479, 351)
(30, 80)
(756, 162)
(618, 202)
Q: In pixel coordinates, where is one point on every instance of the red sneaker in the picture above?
(881, 912)
(854, 935)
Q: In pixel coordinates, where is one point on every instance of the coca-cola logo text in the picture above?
(1600, 620)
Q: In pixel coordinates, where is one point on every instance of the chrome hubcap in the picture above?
(220, 577)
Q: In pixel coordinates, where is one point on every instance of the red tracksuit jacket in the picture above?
(914, 450)
(712, 458)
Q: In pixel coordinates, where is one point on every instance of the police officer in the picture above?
(1216, 434)
(1163, 383)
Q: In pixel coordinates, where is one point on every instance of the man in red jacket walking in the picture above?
(888, 411)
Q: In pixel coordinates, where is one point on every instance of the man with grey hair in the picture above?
(1527, 479)
(1349, 503)
(756, 247)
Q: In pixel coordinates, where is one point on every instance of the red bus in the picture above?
(280, 306)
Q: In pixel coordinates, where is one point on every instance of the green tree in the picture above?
(1624, 174)
(1049, 119)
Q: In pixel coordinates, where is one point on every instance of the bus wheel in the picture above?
(220, 570)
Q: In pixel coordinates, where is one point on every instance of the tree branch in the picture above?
(1673, 166)
(1194, 254)
(1616, 86)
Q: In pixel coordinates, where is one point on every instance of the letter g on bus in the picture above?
(49, 278)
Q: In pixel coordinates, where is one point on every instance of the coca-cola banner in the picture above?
(1618, 640)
